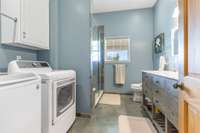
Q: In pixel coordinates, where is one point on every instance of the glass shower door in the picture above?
(97, 63)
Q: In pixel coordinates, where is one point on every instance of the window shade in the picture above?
(117, 49)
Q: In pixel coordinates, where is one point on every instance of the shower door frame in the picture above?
(100, 38)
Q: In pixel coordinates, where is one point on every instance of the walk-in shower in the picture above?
(97, 63)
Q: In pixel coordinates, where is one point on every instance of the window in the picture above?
(95, 54)
(117, 50)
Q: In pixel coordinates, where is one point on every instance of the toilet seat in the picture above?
(137, 92)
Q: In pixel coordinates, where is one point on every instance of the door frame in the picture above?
(183, 60)
(183, 38)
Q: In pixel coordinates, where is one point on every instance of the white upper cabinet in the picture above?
(31, 30)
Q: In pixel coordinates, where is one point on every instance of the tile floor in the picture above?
(105, 117)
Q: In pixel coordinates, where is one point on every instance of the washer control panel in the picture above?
(32, 64)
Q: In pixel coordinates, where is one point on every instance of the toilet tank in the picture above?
(20, 103)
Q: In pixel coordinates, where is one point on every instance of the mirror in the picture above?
(174, 32)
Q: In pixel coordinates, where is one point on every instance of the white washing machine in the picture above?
(58, 94)
(20, 102)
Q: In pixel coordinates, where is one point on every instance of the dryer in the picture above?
(58, 94)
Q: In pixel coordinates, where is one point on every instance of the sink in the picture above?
(167, 74)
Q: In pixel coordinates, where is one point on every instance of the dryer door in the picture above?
(63, 97)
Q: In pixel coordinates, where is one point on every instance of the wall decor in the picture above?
(159, 43)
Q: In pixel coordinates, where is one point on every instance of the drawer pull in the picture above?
(157, 91)
(157, 82)
(157, 101)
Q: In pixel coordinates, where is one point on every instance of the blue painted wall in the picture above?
(8, 53)
(52, 55)
(163, 23)
(74, 46)
(138, 25)
(70, 44)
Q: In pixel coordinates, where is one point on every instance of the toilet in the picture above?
(137, 92)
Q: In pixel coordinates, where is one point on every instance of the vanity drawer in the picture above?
(159, 99)
(172, 102)
(172, 92)
(159, 104)
(158, 82)
(164, 96)
(172, 114)
(147, 85)
(159, 92)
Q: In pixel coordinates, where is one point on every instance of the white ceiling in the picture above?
(100, 6)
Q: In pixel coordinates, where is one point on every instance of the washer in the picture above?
(58, 94)
(20, 100)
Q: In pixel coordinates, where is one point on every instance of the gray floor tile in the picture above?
(105, 117)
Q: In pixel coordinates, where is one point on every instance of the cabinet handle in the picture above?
(157, 91)
(157, 82)
(157, 101)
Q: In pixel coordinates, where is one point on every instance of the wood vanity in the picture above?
(160, 99)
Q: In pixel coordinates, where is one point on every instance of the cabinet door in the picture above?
(9, 28)
(35, 23)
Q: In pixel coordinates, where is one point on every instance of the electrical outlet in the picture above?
(18, 57)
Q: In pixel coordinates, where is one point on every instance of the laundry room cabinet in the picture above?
(25, 23)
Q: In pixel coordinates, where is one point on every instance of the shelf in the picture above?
(171, 128)
(148, 112)
(159, 119)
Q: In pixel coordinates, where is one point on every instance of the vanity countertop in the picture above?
(167, 74)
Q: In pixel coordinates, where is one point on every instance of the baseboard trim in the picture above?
(85, 115)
